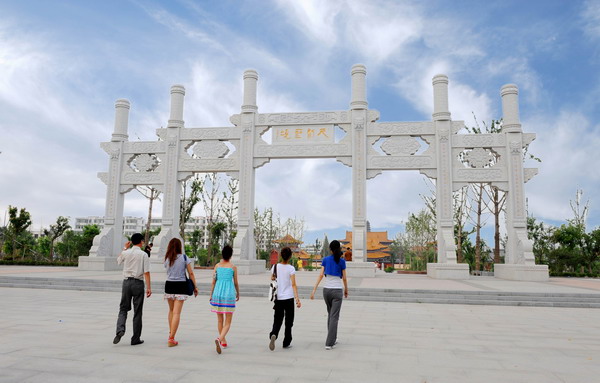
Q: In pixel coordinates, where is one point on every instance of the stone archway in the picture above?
(310, 135)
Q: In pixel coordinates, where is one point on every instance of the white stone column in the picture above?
(519, 259)
(358, 105)
(244, 247)
(172, 185)
(108, 244)
(446, 266)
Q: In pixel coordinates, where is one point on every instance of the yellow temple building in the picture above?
(378, 245)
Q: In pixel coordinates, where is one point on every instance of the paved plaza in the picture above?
(66, 336)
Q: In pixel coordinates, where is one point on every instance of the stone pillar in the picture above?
(519, 258)
(109, 243)
(244, 247)
(446, 266)
(358, 106)
(172, 185)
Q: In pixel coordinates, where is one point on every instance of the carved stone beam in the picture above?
(309, 118)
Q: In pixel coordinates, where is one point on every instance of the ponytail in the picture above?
(336, 250)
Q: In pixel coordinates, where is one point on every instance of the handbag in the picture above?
(190, 284)
(273, 287)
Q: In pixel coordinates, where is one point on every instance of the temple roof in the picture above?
(377, 241)
(287, 239)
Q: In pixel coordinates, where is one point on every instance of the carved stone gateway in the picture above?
(452, 160)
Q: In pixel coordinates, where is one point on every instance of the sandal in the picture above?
(224, 345)
(218, 345)
(172, 342)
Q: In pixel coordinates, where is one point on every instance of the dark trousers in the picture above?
(333, 299)
(133, 290)
(283, 308)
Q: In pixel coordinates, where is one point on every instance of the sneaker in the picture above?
(118, 337)
(288, 346)
(272, 343)
(328, 347)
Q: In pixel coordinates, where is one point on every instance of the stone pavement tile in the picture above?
(477, 374)
(49, 377)
(50, 364)
(393, 342)
(15, 375)
(225, 377)
(131, 373)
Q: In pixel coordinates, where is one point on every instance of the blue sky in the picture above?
(64, 63)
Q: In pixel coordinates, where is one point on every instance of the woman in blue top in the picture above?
(225, 292)
(333, 268)
(176, 286)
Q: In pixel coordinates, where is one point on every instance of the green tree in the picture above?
(568, 254)
(73, 244)
(188, 202)
(216, 232)
(196, 238)
(591, 249)
(543, 243)
(16, 232)
(42, 246)
(55, 231)
(230, 208)
(325, 248)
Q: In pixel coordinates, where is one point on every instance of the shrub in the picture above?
(389, 269)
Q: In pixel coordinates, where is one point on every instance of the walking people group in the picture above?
(225, 291)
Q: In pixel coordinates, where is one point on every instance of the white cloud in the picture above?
(590, 16)
(316, 19)
(56, 102)
(567, 145)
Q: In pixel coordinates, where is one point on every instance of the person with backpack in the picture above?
(333, 269)
(287, 291)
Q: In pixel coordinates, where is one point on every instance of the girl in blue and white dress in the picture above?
(225, 292)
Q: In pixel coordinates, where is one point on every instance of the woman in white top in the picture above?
(176, 286)
(284, 304)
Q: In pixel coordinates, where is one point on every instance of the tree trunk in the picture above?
(147, 237)
(497, 209)
(459, 254)
(478, 230)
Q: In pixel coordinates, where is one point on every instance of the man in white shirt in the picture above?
(136, 267)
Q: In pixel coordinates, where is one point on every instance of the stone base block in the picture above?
(250, 266)
(534, 273)
(98, 263)
(360, 269)
(448, 270)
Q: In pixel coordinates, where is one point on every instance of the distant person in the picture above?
(148, 249)
(136, 266)
(284, 304)
(176, 285)
(348, 256)
(224, 293)
(333, 268)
